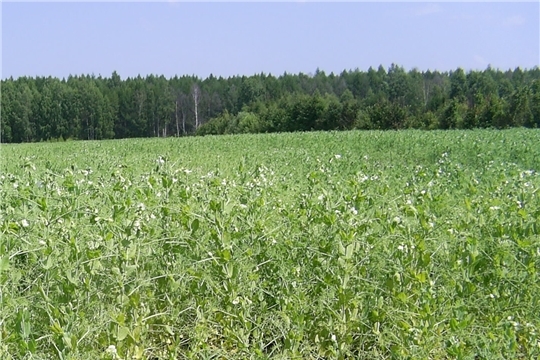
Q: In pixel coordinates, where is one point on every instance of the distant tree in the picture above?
(196, 95)
(248, 122)
(398, 86)
(520, 110)
(90, 107)
(386, 115)
(17, 112)
(6, 111)
(251, 90)
(454, 114)
(349, 110)
(495, 114)
(458, 85)
(534, 103)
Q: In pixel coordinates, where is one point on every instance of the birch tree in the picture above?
(196, 94)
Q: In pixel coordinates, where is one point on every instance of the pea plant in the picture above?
(367, 245)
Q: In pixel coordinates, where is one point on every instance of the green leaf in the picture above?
(402, 297)
(194, 226)
(123, 332)
(422, 277)
(48, 263)
(4, 263)
(226, 254)
(350, 251)
(342, 250)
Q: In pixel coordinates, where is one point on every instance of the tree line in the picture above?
(90, 108)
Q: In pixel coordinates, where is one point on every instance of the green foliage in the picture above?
(374, 245)
(243, 123)
(386, 115)
(90, 108)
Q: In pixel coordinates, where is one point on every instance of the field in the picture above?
(365, 245)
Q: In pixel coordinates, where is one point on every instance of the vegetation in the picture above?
(403, 245)
(89, 107)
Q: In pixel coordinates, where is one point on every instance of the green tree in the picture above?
(248, 122)
(349, 111)
(520, 110)
(49, 117)
(454, 115)
(534, 103)
(458, 85)
(386, 115)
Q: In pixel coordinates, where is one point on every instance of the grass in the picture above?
(368, 245)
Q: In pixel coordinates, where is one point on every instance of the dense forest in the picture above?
(89, 107)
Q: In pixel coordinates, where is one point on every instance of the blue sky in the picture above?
(225, 39)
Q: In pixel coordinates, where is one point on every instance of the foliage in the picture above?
(374, 245)
(93, 108)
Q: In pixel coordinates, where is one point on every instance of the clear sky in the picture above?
(225, 39)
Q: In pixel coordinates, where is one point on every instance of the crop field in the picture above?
(345, 245)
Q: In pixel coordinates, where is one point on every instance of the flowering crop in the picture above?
(308, 245)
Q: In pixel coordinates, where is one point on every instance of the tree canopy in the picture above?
(90, 108)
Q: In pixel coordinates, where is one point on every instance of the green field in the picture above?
(365, 245)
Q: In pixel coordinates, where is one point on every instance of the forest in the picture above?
(89, 107)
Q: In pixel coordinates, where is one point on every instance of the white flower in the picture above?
(494, 208)
(24, 223)
(337, 156)
(354, 211)
(236, 301)
(111, 350)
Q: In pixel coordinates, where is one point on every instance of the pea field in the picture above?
(322, 245)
